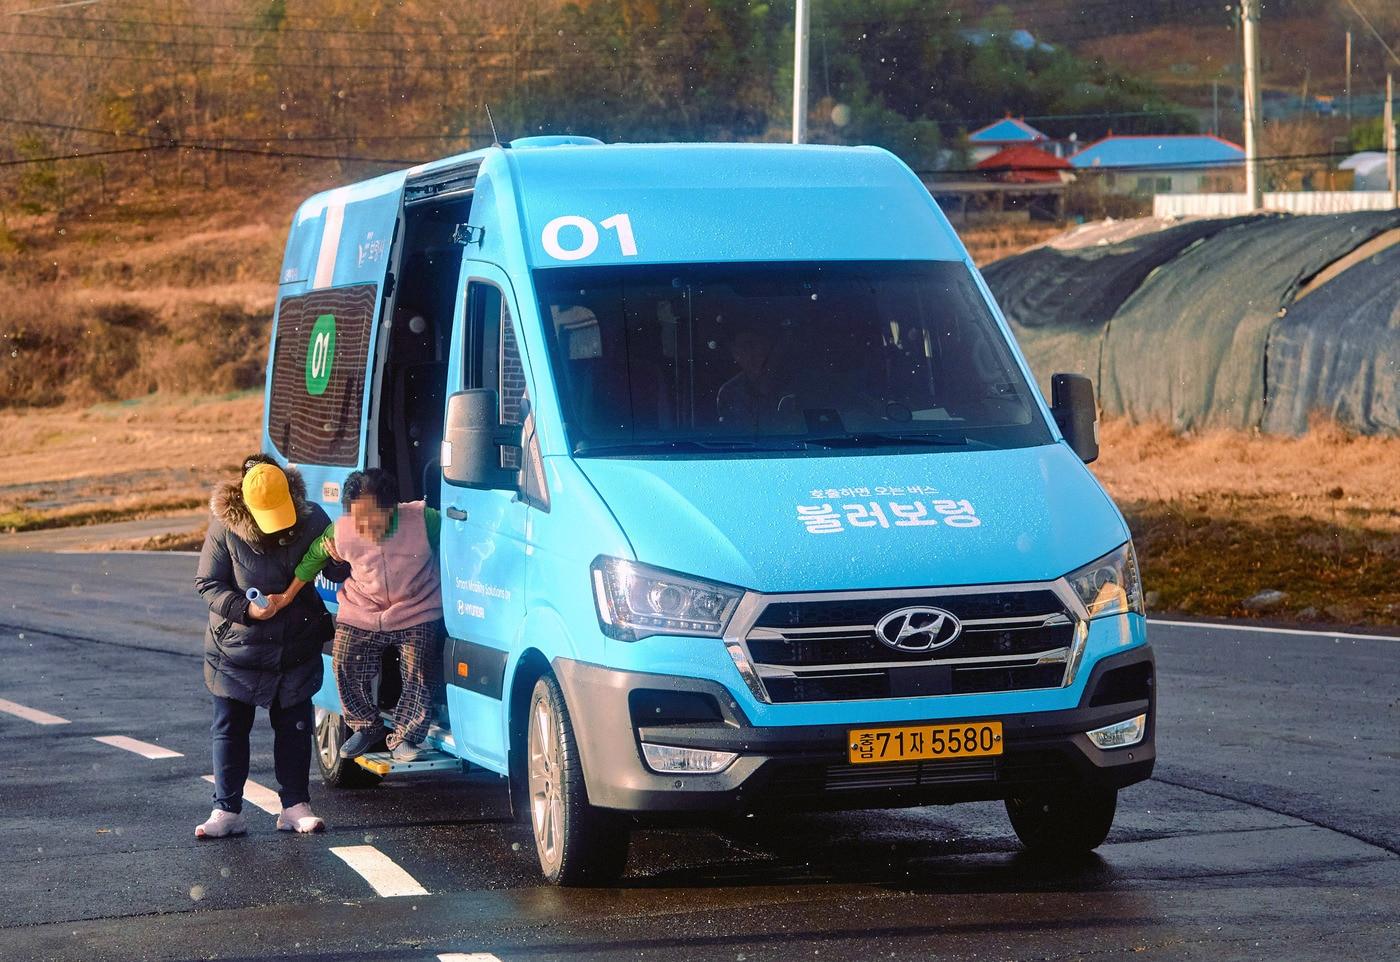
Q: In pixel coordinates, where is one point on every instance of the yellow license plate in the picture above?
(918, 742)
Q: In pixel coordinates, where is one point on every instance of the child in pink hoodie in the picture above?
(393, 598)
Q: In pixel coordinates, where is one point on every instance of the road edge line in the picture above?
(1266, 629)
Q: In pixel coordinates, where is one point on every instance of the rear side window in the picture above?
(318, 374)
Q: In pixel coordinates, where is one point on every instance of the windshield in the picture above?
(786, 356)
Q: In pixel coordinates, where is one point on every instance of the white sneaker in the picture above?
(298, 818)
(221, 824)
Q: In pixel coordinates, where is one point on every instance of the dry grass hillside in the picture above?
(1221, 516)
(158, 293)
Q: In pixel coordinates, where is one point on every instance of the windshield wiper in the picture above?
(866, 439)
(680, 445)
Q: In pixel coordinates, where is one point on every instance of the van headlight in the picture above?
(636, 600)
(1110, 585)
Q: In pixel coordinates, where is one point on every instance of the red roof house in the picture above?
(1024, 164)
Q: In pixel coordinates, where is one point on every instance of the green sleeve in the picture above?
(433, 521)
(316, 556)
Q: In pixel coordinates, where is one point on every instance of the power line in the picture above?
(72, 128)
(96, 153)
(297, 155)
(205, 44)
(212, 148)
(1374, 32)
(263, 139)
(323, 66)
(55, 6)
(251, 27)
(465, 28)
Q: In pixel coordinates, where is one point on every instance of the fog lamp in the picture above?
(695, 761)
(1120, 734)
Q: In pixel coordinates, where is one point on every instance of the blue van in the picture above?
(750, 501)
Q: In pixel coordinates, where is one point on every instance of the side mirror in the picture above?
(1076, 413)
(472, 439)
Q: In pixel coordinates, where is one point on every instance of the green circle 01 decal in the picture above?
(320, 354)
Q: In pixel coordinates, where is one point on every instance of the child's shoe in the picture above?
(406, 752)
(360, 742)
(221, 824)
(299, 818)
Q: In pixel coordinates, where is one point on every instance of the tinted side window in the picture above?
(484, 333)
(512, 373)
(495, 362)
(319, 359)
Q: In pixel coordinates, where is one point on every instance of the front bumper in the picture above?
(790, 767)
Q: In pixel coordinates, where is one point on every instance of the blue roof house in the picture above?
(1160, 164)
(1007, 132)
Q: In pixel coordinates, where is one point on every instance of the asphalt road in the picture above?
(1271, 830)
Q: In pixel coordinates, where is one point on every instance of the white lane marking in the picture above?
(260, 795)
(379, 870)
(467, 957)
(144, 749)
(32, 714)
(1272, 631)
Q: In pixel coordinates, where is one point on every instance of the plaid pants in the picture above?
(356, 659)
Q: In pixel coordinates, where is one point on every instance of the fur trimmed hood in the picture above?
(226, 504)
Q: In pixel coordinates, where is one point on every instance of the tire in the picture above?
(1063, 822)
(577, 844)
(337, 772)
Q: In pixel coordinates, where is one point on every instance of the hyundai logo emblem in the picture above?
(918, 629)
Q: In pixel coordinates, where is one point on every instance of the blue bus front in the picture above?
(812, 537)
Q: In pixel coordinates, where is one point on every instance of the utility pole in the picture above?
(800, 31)
(1215, 107)
(1348, 76)
(1249, 12)
(1390, 172)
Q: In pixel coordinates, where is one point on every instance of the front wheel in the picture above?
(1067, 821)
(577, 844)
(337, 772)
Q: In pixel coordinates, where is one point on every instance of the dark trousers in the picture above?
(291, 751)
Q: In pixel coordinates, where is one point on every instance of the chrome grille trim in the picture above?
(743, 627)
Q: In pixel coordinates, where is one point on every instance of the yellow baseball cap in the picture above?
(267, 497)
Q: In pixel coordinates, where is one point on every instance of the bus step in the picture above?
(382, 763)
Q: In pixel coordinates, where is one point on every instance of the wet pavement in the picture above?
(1270, 831)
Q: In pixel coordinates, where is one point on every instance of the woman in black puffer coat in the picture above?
(260, 527)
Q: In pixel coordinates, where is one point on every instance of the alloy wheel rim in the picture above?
(546, 794)
(327, 738)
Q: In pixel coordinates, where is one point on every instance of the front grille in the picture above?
(910, 774)
(815, 781)
(855, 647)
(971, 681)
(867, 611)
(820, 649)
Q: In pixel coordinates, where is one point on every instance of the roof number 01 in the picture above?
(588, 242)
